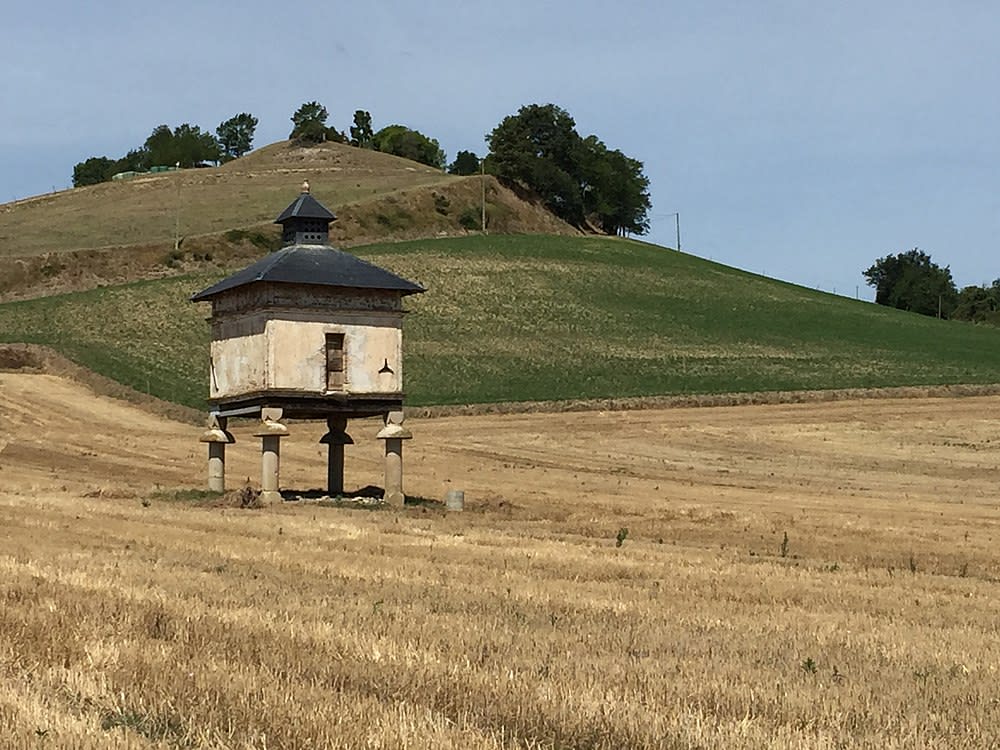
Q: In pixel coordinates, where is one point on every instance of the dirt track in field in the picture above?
(878, 455)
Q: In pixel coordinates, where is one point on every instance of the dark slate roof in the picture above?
(312, 264)
(305, 207)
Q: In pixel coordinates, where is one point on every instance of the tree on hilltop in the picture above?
(92, 171)
(614, 188)
(579, 179)
(159, 145)
(136, 160)
(194, 147)
(400, 140)
(310, 125)
(185, 145)
(235, 135)
(538, 148)
(361, 130)
(912, 281)
(466, 163)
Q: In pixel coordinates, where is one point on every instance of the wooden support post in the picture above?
(336, 439)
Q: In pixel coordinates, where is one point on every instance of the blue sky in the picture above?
(800, 140)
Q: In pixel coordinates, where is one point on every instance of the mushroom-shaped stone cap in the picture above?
(216, 435)
(268, 428)
(394, 431)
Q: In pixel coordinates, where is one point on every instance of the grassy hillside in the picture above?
(118, 232)
(515, 318)
(244, 192)
(250, 192)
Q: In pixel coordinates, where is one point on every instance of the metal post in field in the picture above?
(482, 172)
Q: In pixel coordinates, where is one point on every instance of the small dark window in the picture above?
(335, 361)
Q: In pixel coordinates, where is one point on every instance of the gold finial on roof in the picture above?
(305, 186)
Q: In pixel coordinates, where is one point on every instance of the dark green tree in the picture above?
(185, 145)
(615, 189)
(361, 130)
(578, 179)
(136, 160)
(466, 163)
(92, 171)
(194, 148)
(912, 281)
(235, 135)
(539, 148)
(400, 140)
(979, 304)
(309, 123)
(160, 147)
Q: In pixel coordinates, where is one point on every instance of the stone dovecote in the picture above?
(307, 332)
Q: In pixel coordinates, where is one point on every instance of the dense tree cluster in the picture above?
(100, 168)
(912, 281)
(400, 140)
(184, 146)
(96, 169)
(579, 179)
(309, 125)
(979, 304)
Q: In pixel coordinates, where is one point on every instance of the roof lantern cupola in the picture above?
(306, 221)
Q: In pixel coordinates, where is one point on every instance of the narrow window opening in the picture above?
(335, 361)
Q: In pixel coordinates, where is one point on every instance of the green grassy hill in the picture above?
(521, 318)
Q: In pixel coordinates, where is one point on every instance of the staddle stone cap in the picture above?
(396, 431)
(267, 429)
(216, 435)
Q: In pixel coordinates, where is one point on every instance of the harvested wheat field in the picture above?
(782, 576)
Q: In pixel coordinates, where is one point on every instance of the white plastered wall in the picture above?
(297, 352)
(239, 365)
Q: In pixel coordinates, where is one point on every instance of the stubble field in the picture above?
(797, 576)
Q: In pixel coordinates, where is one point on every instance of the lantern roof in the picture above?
(307, 258)
(305, 207)
(317, 265)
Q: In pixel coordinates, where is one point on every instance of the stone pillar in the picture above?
(336, 439)
(217, 438)
(270, 432)
(394, 434)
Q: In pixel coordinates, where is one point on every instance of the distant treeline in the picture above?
(185, 146)
(912, 281)
(579, 179)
